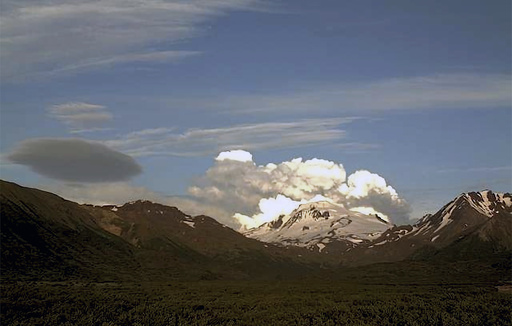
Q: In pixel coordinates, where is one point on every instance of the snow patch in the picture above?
(354, 240)
(446, 214)
(506, 200)
(190, 223)
(434, 238)
(320, 246)
(114, 209)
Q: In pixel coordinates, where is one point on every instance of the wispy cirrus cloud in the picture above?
(51, 37)
(101, 62)
(201, 142)
(434, 92)
(79, 116)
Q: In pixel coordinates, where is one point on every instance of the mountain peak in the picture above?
(317, 225)
(485, 202)
(312, 211)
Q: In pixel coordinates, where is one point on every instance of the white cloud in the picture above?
(235, 155)
(200, 142)
(260, 193)
(41, 37)
(79, 116)
(270, 208)
(362, 182)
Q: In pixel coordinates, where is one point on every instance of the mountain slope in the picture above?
(152, 226)
(45, 235)
(472, 225)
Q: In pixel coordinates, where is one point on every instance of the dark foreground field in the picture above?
(252, 303)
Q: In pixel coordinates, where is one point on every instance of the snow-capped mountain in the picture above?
(321, 224)
(460, 216)
(330, 228)
(464, 226)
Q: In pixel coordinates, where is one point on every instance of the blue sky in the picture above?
(417, 92)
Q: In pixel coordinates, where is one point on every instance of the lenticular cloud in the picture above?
(256, 194)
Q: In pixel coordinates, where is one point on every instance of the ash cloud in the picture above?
(256, 194)
(75, 160)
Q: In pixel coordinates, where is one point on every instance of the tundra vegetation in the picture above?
(374, 295)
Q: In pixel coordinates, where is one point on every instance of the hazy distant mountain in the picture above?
(321, 226)
(46, 237)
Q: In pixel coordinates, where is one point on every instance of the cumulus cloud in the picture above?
(256, 194)
(79, 116)
(258, 136)
(63, 36)
(235, 155)
(74, 160)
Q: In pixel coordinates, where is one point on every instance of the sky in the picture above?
(241, 109)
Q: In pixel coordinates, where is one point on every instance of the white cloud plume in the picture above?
(79, 116)
(361, 183)
(260, 193)
(258, 136)
(50, 37)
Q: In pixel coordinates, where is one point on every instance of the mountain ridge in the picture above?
(43, 234)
